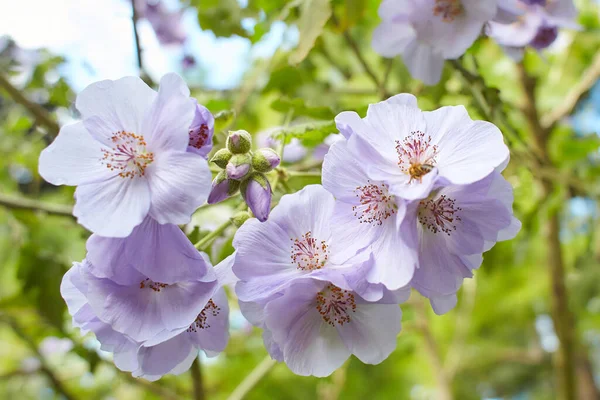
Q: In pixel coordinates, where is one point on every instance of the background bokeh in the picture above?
(286, 70)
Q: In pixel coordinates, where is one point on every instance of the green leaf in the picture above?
(223, 119)
(565, 148)
(299, 108)
(314, 14)
(311, 134)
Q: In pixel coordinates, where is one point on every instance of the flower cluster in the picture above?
(244, 170)
(410, 199)
(138, 159)
(427, 32)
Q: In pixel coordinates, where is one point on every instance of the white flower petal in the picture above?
(170, 116)
(73, 158)
(179, 183)
(114, 207)
(371, 333)
(121, 105)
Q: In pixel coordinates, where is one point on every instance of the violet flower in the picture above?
(537, 27)
(296, 241)
(452, 228)
(128, 156)
(165, 352)
(410, 150)
(427, 32)
(317, 326)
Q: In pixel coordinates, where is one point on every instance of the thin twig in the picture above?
(574, 97)
(41, 115)
(442, 380)
(138, 48)
(361, 59)
(259, 372)
(196, 373)
(20, 203)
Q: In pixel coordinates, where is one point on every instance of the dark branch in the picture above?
(41, 115)
(34, 205)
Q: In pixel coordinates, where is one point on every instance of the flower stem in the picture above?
(207, 240)
(196, 373)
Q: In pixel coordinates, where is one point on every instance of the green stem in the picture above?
(207, 240)
(196, 373)
(259, 372)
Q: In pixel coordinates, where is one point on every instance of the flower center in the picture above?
(308, 253)
(416, 155)
(201, 322)
(150, 284)
(439, 215)
(335, 305)
(128, 155)
(449, 10)
(376, 204)
(198, 136)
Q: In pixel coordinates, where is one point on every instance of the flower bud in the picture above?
(222, 188)
(256, 191)
(264, 160)
(221, 158)
(238, 166)
(239, 142)
(239, 218)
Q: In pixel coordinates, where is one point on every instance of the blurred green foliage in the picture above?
(498, 342)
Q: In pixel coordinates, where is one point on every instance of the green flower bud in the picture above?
(239, 142)
(221, 158)
(265, 160)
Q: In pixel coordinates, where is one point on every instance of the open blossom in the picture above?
(160, 252)
(296, 241)
(410, 150)
(316, 326)
(452, 228)
(367, 214)
(427, 32)
(165, 352)
(537, 26)
(128, 156)
(201, 132)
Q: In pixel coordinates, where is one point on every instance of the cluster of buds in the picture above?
(244, 170)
